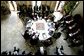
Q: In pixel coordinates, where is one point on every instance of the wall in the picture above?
(43, 2)
(79, 10)
(21, 2)
(53, 4)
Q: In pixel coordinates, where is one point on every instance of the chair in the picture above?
(41, 51)
(57, 25)
(48, 42)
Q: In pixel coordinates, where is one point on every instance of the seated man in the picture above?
(47, 11)
(9, 53)
(15, 53)
(34, 40)
(29, 11)
(26, 35)
(35, 9)
(16, 49)
(75, 43)
(4, 53)
(23, 10)
(42, 8)
(77, 18)
(73, 32)
(41, 51)
(59, 51)
(38, 53)
(61, 48)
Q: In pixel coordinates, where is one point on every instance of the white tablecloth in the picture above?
(44, 29)
(58, 16)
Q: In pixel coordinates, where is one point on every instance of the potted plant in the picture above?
(69, 5)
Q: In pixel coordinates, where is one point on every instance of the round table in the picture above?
(41, 27)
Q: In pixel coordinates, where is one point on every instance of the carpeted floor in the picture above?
(11, 30)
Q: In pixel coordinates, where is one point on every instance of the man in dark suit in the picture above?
(57, 53)
(29, 11)
(42, 8)
(26, 35)
(39, 53)
(4, 53)
(47, 11)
